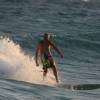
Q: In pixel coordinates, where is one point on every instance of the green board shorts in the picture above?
(45, 59)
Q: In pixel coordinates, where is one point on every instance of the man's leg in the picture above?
(45, 72)
(54, 70)
(55, 73)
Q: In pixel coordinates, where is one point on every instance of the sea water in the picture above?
(75, 27)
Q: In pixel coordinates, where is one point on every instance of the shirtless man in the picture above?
(44, 51)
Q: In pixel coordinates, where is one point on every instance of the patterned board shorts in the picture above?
(45, 59)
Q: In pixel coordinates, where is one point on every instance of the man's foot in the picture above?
(57, 80)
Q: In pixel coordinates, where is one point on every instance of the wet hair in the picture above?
(50, 36)
(47, 34)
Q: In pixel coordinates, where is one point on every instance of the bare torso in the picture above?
(45, 47)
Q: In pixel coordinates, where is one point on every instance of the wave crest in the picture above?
(14, 64)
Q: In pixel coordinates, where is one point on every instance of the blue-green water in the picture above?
(75, 26)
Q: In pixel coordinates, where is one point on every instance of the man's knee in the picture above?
(45, 70)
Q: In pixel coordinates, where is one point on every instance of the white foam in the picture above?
(15, 64)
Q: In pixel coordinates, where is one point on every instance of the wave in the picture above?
(15, 64)
(19, 90)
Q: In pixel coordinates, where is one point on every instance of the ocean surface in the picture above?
(75, 29)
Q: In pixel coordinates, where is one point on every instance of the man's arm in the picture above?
(36, 54)
(57, 49)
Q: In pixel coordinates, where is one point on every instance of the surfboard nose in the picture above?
(80, 86)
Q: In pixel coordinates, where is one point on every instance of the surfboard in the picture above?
(80, 86)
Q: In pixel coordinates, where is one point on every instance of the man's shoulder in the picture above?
(50, 42)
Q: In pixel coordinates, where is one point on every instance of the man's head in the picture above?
(46, 36)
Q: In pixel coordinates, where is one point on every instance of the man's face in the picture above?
(46, 36)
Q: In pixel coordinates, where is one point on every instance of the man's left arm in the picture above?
(57, 49)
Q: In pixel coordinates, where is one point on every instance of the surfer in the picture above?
(44, 51)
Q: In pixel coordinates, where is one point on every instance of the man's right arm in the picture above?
(36, 54)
